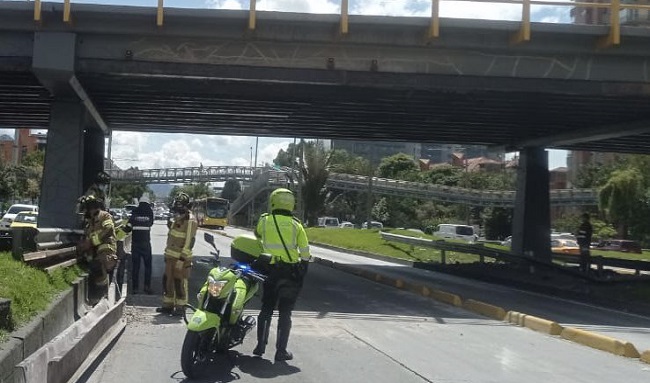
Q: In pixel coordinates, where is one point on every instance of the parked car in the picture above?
(373, 225)
(13, 211)
(346, 225)
(25, 219)
(622, 245)
(328, 222)
(565, 246)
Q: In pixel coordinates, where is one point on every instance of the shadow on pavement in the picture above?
(221, 369)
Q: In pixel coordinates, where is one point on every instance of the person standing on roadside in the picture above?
(584, 235)
(140, 225)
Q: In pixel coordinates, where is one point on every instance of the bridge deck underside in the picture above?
(406, 113)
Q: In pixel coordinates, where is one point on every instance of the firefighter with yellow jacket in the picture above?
(178, 256)
(100, 243)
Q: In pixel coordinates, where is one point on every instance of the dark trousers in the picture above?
(280, 291)
(141, 251)
(585, 259)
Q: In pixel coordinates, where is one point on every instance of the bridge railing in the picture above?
(614, 8)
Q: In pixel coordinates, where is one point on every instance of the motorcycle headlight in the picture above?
(215, 287)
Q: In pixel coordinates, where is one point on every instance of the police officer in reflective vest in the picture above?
(100, 244)
(178, 256)
(283, 237)
(140, 225)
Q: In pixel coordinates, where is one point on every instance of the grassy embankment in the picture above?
(30, 290)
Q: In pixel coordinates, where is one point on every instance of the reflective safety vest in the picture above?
(293, 234)
(180, 239)
(101, 233)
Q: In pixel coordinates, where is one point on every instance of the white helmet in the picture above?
(145, 199)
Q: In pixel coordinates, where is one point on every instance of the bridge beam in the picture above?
(54, 65)
(63, 172)
(531, 232)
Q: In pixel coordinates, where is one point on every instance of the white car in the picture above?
(13, 211)
(346, 225)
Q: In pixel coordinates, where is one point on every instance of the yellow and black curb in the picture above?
(583, 337)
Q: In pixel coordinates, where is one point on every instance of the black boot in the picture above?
(263, 328)
(281, 353)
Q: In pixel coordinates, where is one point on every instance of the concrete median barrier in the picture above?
(600, 342)
(485, 309)
(445, 297)
(534, 323)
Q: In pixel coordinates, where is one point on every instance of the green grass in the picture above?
(30, 290)
(370, 241)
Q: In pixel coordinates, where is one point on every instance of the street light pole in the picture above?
(256, 145)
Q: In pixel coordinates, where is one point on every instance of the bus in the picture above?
(211, 212)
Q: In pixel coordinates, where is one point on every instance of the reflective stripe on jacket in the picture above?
(180, 238)
(293, 234)
(101, 232)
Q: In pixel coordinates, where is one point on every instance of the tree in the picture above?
(399, 166)
(621, 196)
(288, 157)
(380, 210)
(343, 162)
(231, 190)
(124, 193)
(315, 173)
(194, 191)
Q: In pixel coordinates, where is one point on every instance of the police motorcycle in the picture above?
(217, 324)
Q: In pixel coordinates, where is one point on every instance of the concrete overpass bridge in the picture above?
(83, 71)
(184, 175)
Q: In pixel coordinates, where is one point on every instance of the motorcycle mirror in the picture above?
(208, 238)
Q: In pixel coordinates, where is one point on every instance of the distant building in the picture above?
(558, 178)
(444, 153)
(601, 16)
(376, 150)
(577, 160)
(13, 150)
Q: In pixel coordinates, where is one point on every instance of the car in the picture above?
(507, 242)
(461, 232)
(346, 225)
(373, 225)
(328, 222)
(129, 209)
(25, 219)
(622, 245)
(13, 211)
(565, 246)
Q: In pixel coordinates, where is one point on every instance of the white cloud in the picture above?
(302, 6)
(268, 152)
(224, 4)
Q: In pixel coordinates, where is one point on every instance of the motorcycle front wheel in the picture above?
(192, 354)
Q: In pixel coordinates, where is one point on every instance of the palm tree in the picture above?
(620, 197)
(315, 172)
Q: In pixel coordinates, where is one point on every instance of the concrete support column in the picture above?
(93, 162)
(531, 232)
(63, 172)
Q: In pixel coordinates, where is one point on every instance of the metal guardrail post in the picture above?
(434, 27)
(443, 257)
(37, 11)
(160, 13)
(66, 11)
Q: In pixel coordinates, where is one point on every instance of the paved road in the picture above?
(629, 327)
(348, 329)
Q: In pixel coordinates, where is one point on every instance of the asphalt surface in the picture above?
(625, 326)
(348, 329)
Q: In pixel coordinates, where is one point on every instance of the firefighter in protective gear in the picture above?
(140, 225)
(178, 257)
(283, 237)
(100, 242)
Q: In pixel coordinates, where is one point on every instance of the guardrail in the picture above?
(486, 252)
(521, 35)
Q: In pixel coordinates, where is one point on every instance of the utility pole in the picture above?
(110, 168)
(256, 145)
(369, 201)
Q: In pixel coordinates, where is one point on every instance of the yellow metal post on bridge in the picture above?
(160, 13)
(66, 11)
(37, 11)
(345, 16)
(523, 34)
(252, 15)
(434, 28)
(614, 36)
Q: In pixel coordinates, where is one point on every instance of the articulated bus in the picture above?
(211, 212)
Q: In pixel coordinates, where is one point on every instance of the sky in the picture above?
(149, 150)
